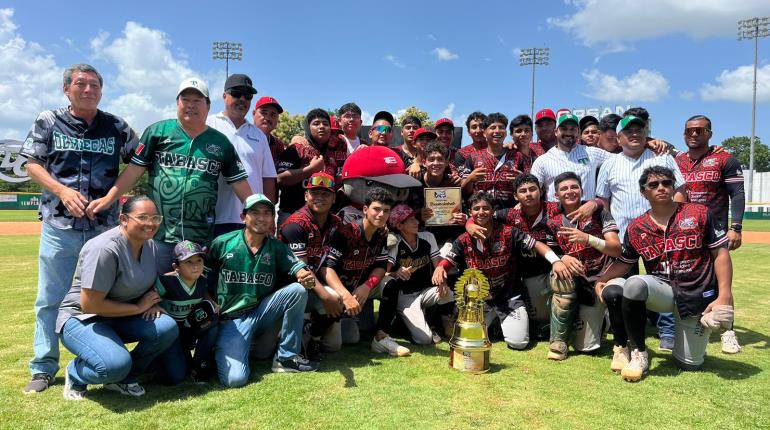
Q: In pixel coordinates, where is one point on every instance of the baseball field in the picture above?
(357, 389)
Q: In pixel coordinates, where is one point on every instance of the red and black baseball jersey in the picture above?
(495, 257)
(535, 150)
(680, 255)
(707, 179)
(276, 147)
(307, 239)
(529, 263)
(501, 172)
(463, 153)
(353, 257)
(601, 222)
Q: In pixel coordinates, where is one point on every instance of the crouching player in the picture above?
(495, 257)
(689, 273)
(188, 302)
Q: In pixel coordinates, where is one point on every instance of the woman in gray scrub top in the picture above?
(112, 303)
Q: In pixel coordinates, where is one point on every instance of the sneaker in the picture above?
(132, 389)
(666, 344)
(436, 338)
(39, 383)
(295, 364)
(313, 350)
(637, 367)
(72, 391)
(730, 343)
(620, 358)
(557, 351)
(388, 345)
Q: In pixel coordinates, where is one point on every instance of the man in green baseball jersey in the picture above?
(184, 158)
(243, 268)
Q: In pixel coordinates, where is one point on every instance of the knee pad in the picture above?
(635, 288)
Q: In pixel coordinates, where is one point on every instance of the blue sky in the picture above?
(677, 58)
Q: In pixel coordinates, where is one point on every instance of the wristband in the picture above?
(445, 264)
(372, 282)
(736, 228)
(551, 257)
(597, 243)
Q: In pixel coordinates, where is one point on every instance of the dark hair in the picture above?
(349, 107)
(132, 201)
(565, 177)
(609, 122)
(434, 146)
(526, 178)
(317, 113)
(495, 117)
(379, 194)
(82, 67)
(411, 119)
(638, 112)
(475, 116)
(696, 117)
(479, 196)
(520, 120)
(655, 171)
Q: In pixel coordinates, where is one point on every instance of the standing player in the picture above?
(521, 133)
(689, 273)
(267, 113)
(714, 179)
(350, 121)
(545, 126)
(445, 132)
(475, 127)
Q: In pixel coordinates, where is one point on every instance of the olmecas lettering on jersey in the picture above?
(678, 243)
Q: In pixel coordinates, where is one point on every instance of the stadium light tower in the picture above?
(753, 28)
(534, 57)
(227, 51)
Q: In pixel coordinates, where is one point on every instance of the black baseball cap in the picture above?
(586, 121)
(387, 116)
(241, 82)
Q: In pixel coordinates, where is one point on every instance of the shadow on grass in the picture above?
(118, 403)
(663, 364)
(746, 337)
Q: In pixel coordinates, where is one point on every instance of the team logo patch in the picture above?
(267, 259)
(29, 143)
(719, 232)
(355, 252)
(166, 140)
(140, 148)
(390, 161)
(710, 162)
(687, 224)
(214, 149)
(228, 256)
(583, 161)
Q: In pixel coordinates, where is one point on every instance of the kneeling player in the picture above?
(689, 272)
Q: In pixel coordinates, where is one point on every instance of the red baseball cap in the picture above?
(442, 121)
(424, 131)
(267, 100)
(380, 164)
(335, 125)
(545, 114)
(320, 180)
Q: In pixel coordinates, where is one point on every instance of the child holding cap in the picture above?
(188, 302)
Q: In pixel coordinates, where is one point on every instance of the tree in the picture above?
(419, 113)
(740, 146)
(289, 126)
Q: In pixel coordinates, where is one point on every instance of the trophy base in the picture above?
(469, 360)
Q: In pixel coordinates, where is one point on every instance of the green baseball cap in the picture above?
(257, 199)
(627, 120)
(568, 117)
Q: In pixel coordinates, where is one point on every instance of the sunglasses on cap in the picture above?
(698, 131)
(382, 129)
(238, 94)
(653, 185)
(319, 182)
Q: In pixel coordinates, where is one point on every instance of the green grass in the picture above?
(358, 389)
(18, 215)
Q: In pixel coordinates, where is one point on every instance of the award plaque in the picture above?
(469, 346)
(444, 202)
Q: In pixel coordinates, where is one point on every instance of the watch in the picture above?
(736, 228)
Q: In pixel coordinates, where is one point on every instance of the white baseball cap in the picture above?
(196, 84)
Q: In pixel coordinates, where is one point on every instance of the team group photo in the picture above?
(407, 240)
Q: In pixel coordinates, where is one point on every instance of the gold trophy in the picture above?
(469, 346)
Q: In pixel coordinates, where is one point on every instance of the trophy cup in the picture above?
(469, 346)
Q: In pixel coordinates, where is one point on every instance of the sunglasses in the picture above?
(382, 129)
(319, 181)
(653, 185)
(698, 131)
(238, 94)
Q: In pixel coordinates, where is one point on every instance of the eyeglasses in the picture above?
(144, 219)
(698, 131)
(382, 129)
(238, 94)
(653, 185)
(320, 181)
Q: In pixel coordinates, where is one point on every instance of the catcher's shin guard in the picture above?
(563, 308)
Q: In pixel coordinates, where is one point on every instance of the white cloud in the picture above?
(394, 61)
(366, 118)
(737, 85)
(444, 54)
(616, 22)
(30, 80)
(642, 86)
(449, 111)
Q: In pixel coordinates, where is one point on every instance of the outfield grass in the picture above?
(358, 389)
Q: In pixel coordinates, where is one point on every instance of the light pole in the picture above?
(753, 28)
(534, 57)
(227, 51)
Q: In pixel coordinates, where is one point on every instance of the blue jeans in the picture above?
(59, 250)
(101, 356)
(232, 348)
